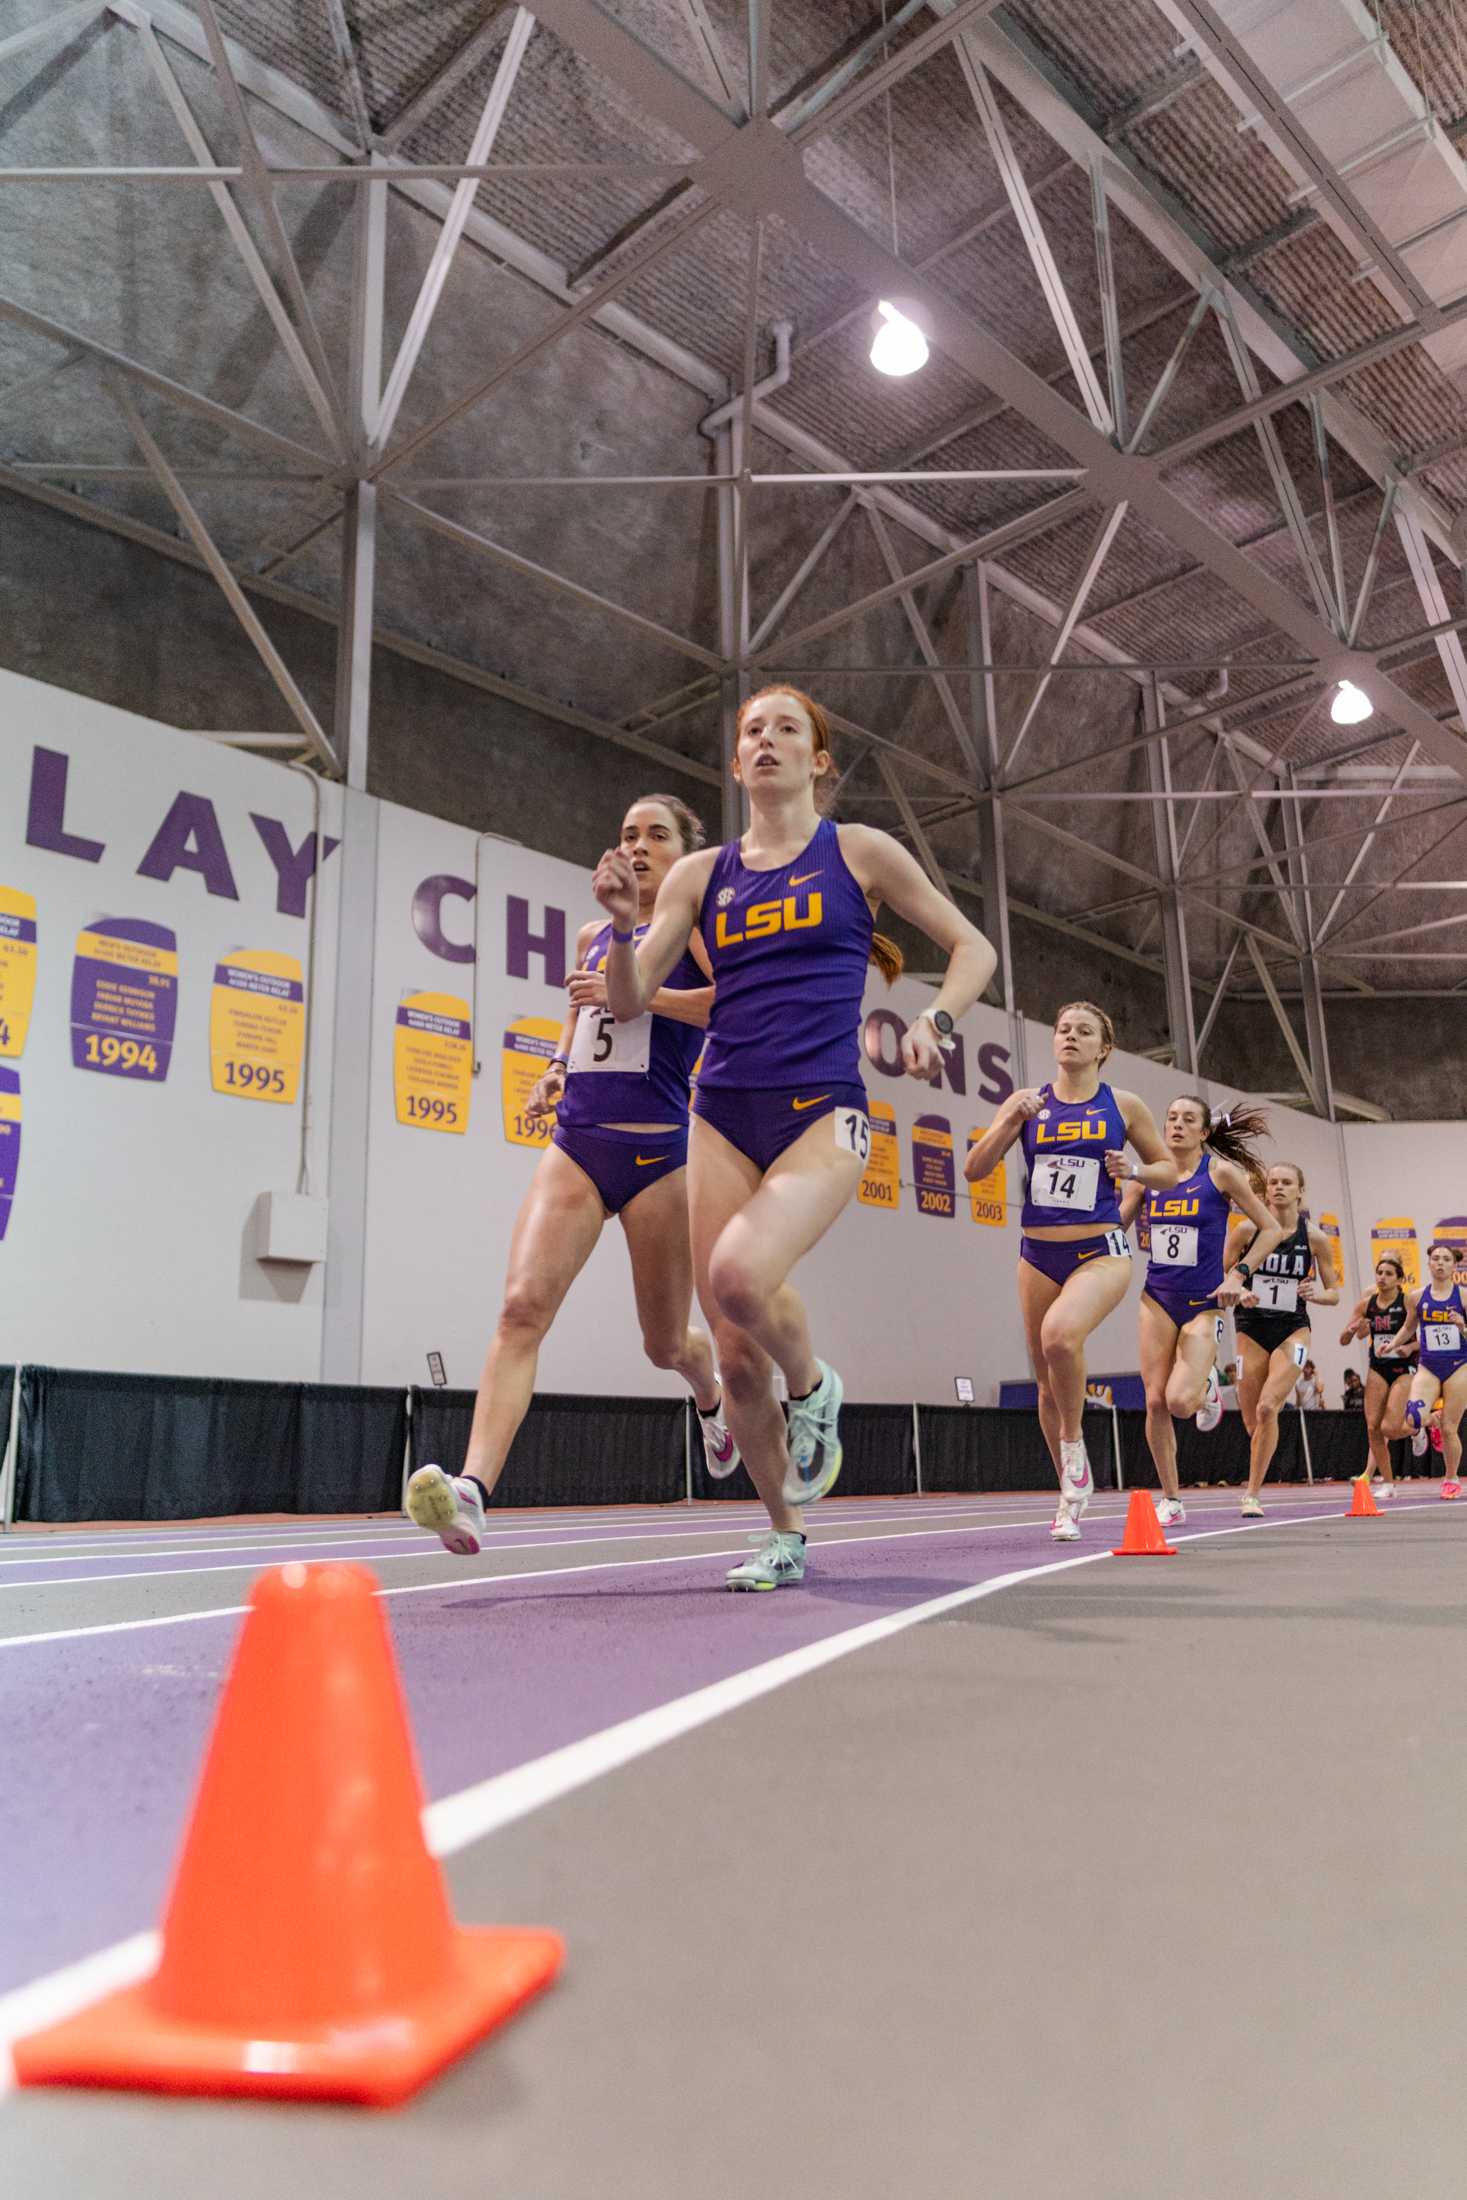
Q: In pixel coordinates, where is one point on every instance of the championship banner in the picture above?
(529, 1043)
(17, 967)
(1330, 1224)
(433, 1062)
(124, 998)
(933, 1169)
(1397, 1234)
(1453, 1230)
(881, 1185)
(257, 1026)
(988, 1196)
(9, 1140)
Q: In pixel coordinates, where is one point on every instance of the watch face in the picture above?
(943, 1022)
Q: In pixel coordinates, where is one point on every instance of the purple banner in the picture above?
(264, 982)
(442, 1027)
(124, 999)
(933, 1170)
(9, 1141)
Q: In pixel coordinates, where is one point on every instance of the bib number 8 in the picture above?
(1174, 1244)
(853, 1133)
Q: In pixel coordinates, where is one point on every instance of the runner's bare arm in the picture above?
(633, 975)
(887, 872)
(1327, 1291)
(1002, 1132)
(1156, 1166)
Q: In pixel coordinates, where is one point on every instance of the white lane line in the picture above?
(420, 1550)
(540, 1573)
(456, 1821)
(122, 1543)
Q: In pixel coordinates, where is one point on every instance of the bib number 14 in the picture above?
(853, 1133)
(1067, 1183)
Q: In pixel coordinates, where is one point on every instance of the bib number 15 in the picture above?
(853, 1133)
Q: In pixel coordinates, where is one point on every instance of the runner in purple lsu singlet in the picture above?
(1189, 1233)
(637, 1072)
(789, 950)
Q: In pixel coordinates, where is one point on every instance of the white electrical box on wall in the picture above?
(290, 1226)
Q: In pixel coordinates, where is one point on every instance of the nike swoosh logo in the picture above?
(649, 1160)
(801, 1105)
(804, 878)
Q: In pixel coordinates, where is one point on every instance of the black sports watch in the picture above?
(940, 1020)
(1244, 1270)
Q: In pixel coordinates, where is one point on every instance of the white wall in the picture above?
(129, 1242)
(127, 1246)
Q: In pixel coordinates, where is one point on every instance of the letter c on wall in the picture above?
(428, 915)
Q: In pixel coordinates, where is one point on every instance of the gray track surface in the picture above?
(1133, 1881)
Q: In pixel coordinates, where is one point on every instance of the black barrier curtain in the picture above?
(981, 1448)
(879, 1458)
(173, 1447)
(569, 1450)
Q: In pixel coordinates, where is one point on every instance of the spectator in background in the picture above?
(1354, 1399)
(1227, 1376)
(1308, 1396)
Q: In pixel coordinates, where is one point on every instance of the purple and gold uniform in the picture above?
(1189, 1235)
(1442, 1326)
(1064, 1148)
(636, 1072)
(789, 950)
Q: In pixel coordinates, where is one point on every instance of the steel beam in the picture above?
(351, 75)
(1315, 1023)
(1323, 931)
(1291, 1041)
(1372, 561)
(1110, 312)
(1180, 1019)
(957, 724)
(1434, 603)
(803, 572)
(1036, 243)
(992, 849)
(922, 846)
(359, 520)
(1284, 485)
(436, 274)
(260, 276)
(706, 39)
(443, 81)
(203, 542)
(1217, 999)
(1163, 385)
(1095, 557)
(59, 24)
(258, 182)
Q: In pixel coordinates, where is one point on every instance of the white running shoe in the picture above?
(814, 1440)
(1170, 1511)
(448, 1506)
(1379, 1490)
(1251, 1509)
(1210, 1412)
(1077, 1483)
(1418, 1443)
(1065, 1527)
(778, 1562)
(719, 1448)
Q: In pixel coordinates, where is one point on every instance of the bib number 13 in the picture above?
(853, 1133)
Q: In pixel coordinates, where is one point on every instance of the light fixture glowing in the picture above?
(1350, 705)
(898, 345)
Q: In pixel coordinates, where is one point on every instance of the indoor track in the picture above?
(976, 1864)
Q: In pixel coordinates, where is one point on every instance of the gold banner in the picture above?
(433, 1062)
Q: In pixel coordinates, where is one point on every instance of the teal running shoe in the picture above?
(814, 1439)
(778, 1563)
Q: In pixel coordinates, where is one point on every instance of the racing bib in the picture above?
(601, 1043)
(1173, 1245)
(1277, 1294)
(1066, 1183)
(1443, 1337)
(853, 1132)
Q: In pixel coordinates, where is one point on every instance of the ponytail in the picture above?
(887, 957)
(1231, 1135)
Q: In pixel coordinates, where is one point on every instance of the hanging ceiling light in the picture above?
(898, 345)
(1350, 705)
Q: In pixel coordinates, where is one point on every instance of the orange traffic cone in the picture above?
(1143, 1537)
(1362, 1504)
(308, 1949)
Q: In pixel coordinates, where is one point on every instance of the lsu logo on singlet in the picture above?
(762, 919)
(1064, 1130)
(1163, 1210)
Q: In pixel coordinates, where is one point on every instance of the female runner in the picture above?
(1074, 1256)
(620, 1148)
(780, 1133)
(1188, 1277)
(1440, 1318)
(1273, 1333)
(1380, 1315)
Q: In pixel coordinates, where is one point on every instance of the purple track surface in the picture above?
(565, 1625)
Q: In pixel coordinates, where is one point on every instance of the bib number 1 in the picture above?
(853, 1133)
